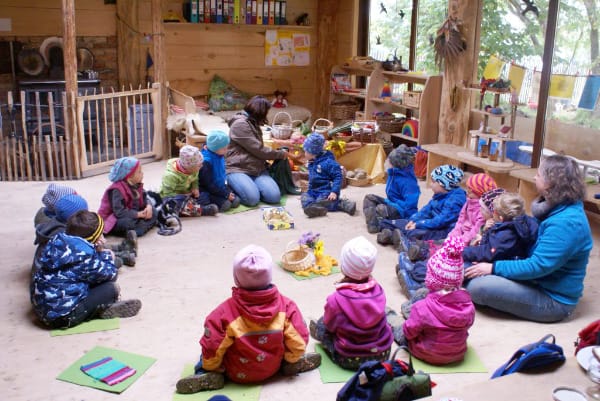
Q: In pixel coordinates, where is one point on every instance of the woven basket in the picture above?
(390, 123)
(343, 111)
(282, 129)
(297, 257)
(359, 182)
(322, 126)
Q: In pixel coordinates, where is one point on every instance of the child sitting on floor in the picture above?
(324, 181)
(511, 236)
(211, 177)
(354, 328)
(124, 205)
(401, 189)
(486, 202)
(252, 335)
(438, 325)
(181, 178)
(53, 193)
(76, 278)
(436, 218)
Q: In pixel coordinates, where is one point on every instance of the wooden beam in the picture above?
(326, 51)
(69, 46)
(128, 47)
(160, 77)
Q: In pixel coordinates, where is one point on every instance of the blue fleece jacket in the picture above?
(442, 210)
(559, 257)
(211, 177)
(402, 190)
(324, 176)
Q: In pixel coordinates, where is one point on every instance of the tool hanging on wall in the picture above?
(449, 42)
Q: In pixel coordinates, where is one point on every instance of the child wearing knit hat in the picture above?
(354, 328)
(211, 177)
(324, 181)
(76, 277)
(486, 204)
(510, 237)
(254, 334)
(181, 178)
(52, 195)
(437, 328)
(401, 189)
(124, 206)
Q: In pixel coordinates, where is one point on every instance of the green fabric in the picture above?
(236, 392)
(329, 371)
(73, 373)
(223, 96)
(243, 208)
(175, 182)
(88, 327)
(281, 172)
(470, 364)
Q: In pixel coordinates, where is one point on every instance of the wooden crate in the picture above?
(412, 98)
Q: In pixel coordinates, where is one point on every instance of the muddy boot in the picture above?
(200, 382)
(315, 211)
(235, 202)
(118, 262)
(384, 237)
(312, 328)
(418, 295)
(382, 211)
(131, 242)
(127, 308)
(418, 251)
(210, 210)
(127, 258)
(347, 206)
(371, 220)
(400, 241)
(307, 362)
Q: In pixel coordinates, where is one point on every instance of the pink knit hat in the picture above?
(252, 267)
(358, 258)
(445, 268)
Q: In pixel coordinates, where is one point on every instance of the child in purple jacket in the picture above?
(354, 328)
(438, 326)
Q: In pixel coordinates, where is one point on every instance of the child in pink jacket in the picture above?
(438, 326)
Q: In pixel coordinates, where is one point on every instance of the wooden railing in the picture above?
(37, 143)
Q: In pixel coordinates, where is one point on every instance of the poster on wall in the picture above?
(287, 48)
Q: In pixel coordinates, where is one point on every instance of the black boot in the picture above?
(385, 237)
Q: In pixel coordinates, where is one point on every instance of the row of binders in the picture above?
(257, 12)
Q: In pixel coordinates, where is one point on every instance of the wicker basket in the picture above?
(359, 182)
(322, 126)
(297, 257)
(411, 99)
(282, 129)
(343, 111)
(390, 123)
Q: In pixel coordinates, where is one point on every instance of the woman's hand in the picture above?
(411, 225)
(332, 196)
(478, 270)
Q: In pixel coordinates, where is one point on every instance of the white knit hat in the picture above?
(358, 258)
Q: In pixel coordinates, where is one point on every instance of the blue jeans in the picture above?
(517, 298)
(252, 190)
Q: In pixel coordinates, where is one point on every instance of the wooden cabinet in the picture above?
(425, 110)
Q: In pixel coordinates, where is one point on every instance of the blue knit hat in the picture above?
(448, 176)
(53, 193)
(68, 205)
(219, 397)
(216, 140)
(314, 144)
(123, 168)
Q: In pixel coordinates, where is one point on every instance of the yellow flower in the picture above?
(318, 249)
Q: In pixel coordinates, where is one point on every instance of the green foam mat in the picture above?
(88, 327)
(470, 364)
(329, 371)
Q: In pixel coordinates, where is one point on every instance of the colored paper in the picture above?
(287, 48)
(108, 370)
(237, 392)
(589, 96)
(493, 68)
(561, 86)
(516, 74)
(73, 373)
(90, 326)
(329, 371)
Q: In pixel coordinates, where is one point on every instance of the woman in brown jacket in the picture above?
(247, 155)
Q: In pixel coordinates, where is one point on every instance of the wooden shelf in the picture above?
(491, 136)
(408, 77)
(485, 113)
(256, 27)
(405, 137)
(358, 95)
(361, 72)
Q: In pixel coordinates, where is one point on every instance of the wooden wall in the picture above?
(235, 52)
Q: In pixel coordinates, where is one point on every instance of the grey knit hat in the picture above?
(402, 156)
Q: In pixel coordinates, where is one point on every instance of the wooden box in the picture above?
(411, 98)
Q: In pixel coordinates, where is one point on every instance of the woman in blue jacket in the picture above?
(546, 286)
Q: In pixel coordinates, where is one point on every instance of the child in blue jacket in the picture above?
(401, 189)
(76, 277)
(211, 177)
(324, 181)
(436, 218)
(511, 236)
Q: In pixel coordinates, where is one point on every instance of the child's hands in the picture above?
(476, 241)
(411, 225)
(231, 197)
(99, 245)
(195, 192)
(488, 223)
(146, 213)
(332, 196)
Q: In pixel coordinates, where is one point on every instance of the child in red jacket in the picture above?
(252, 335)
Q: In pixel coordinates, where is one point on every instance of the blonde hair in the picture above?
(509, 205)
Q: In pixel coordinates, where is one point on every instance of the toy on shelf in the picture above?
(279, 101)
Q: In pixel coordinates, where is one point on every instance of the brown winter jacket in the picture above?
(246, 152)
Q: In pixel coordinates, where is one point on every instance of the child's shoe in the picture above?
(118, 262)
(127, 308)
(371, 220)
(382, 211)
(347, 206)
(312, 329)
(200, 382)
(235, 202)
(384, 237)
(131, 242)
(128, 258)
(309, 361)
(315, 211)
(407, 283)
(418, 251)
(419, 294)
(400, 241)
(209, 210)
